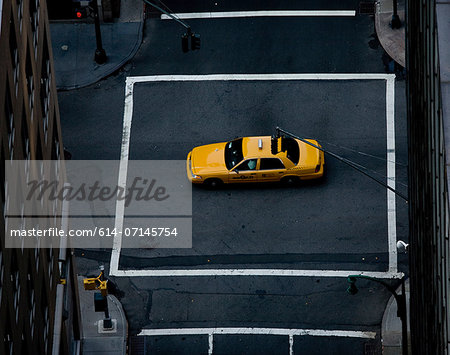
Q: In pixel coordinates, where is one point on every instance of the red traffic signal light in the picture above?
(81, 12)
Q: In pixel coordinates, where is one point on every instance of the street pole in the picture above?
(395, 22)
(107, 322)
(399, 298)
(100, 54)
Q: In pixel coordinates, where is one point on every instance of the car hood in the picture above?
(208, 158)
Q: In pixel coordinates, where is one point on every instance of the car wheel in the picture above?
(290, 181)
(213, 183)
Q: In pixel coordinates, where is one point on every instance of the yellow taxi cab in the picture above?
(255, 159)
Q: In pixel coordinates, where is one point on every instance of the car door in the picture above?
(244, 172)
(270, 169)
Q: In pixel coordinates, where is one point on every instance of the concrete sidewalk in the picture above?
(74, 45)
(394, 43)
(392, 40)
(391, 326)
(95, 340)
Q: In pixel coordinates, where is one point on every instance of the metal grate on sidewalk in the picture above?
(137, 346)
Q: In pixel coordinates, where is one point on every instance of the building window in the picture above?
(30, 84)
(31, 301)
(15, 282)
(14, 54)
(56, 155)
(9, 114)
(56, 171)
(20, 13)
(39, 155)
(25, 343)
(44, 307)
(7, 336)
(50, 266)
(45, 88)
(25, 143)
(36, 257)
(34, 21)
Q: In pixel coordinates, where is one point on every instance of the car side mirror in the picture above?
(236, 171)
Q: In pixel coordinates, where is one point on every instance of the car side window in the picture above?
(249, 164)
(271, 164)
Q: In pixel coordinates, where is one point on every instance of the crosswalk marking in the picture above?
(257, 331)
(392, 271)
(282, 13)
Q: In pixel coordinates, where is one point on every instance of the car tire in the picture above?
(290, 181)
(213, 183)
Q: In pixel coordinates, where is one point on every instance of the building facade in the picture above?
(428, 103)
(38, 309)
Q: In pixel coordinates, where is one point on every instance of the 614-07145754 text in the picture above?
(140, 232)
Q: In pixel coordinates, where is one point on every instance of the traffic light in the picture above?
(80, 13)
(284, 143)
(185, 43)
(195, 41)
(274, 145)
(80, 9)
(352, 289)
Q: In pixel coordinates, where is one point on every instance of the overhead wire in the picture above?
(345, 161)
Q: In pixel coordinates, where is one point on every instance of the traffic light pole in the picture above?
(100, 54)
(195, 38)
(395, 22)
(399, 298)
(182, 23)
(107, 322)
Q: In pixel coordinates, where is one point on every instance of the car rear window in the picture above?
(290, 146)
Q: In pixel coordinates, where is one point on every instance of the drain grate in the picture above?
(137, 346)
(367, 7)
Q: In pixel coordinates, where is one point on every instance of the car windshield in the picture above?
(233, 153)
(290, 145)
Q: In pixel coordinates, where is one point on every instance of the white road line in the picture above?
(258, 331)
(128, 112)
(246, 77)
(122, 180)
(283, 13)
(291, 344)
(210, 343)
(390, 139)
(255, 272)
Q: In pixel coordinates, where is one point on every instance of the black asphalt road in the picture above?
(338, 223)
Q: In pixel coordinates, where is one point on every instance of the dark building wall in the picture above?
(29, 130)
(428, 195)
